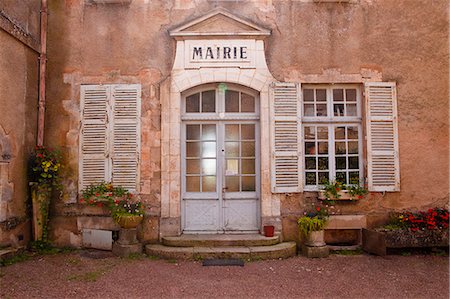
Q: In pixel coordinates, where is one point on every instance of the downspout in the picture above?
(42, 68)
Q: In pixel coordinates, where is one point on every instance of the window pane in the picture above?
(323, 163)
(310, 163)
(193, 103)
(247, 103)
(209, 132)
(232, 167)
(231, 149)
(193, 166)
(339, 133)
(248, 132)
(248, 166)
(209, 184)
(310, 148)
(322, 133)
(193, 132)
(353, 147)
(352, 133)
(340, 163)
(209, 150)
(323, 177)
(248, 183)
(350, 95)
(308, 95)
(340, 148)
(338, 109)
(209, 166)
(232, 183)
(209, 101)
(309, 110)
(310, 133)
(354, 177)
(341, 177)
(192, 149)
(323, 148)
(231, 101)
(310, 178)
(193, 184)
(248, 149)
(353, 162)
(351, 110)
(321, 95)
(338, 95)
(321, 109)
(232, 132)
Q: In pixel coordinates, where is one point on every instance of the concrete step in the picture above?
(206, 240)
(280, 250)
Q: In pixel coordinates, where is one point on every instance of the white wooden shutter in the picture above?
(125, 135)
(93, 138)
(285, 138)
(382, 136)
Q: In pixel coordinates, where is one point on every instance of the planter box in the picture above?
(344, 195)
(377, 241)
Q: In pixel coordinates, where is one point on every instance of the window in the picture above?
(110, 135)
(332, 134)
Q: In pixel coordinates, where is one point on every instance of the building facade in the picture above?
(224, 116)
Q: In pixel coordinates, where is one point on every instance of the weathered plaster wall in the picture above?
(18, 102)
(405, 41)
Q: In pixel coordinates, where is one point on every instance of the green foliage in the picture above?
(46, 168)
(308, 224)
(14, 259)
(333, 188)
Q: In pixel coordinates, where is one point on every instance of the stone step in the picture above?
(280, 250)
(211, 240)
(9, 252)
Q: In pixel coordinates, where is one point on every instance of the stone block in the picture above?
(148, 232)
(62, 229)
(124, 250)
(315, 252)
(127, 236)
(347, 222)
(96, 222)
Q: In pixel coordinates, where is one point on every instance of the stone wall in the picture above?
(18, 121)
(127, 42)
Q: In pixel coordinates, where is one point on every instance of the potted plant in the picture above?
(336, 190)
(312, 225)
(45, 177)
(126, 210)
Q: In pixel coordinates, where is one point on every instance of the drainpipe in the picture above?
(42, 67)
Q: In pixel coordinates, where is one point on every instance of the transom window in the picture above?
(332, 134)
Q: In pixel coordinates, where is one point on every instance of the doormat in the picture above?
(223, 262)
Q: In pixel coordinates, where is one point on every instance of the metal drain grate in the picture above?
(223, 262)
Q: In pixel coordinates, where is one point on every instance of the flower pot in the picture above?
(129, 221)
(315, 239)
(269, 230)
(344, 195)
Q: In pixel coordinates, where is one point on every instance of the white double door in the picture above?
(220, 176)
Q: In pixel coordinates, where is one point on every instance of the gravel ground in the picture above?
(72, 275)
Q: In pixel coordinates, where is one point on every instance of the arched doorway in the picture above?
(220, 159)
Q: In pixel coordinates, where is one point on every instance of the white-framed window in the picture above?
(332, 134)
(110, 135)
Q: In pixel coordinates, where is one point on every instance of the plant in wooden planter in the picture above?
(44, 177)
(126, 210)
(336, 190)
(312, 225)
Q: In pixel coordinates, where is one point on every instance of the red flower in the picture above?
(360, 196)
(318, 209)
(91, 201)
(82, 200)
(338, 189)
(97, 194)
(99, 204)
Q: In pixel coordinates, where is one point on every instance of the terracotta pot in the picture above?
(269, 230)
(315, 239)
(131, 221)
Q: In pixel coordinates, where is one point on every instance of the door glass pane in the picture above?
(321, 95)
(193, 132)
(232, 183)
(323, 148)
(310, 133)
(323, 163)
(350, 95)
(354, 177)
(193, 103)
(209, 101)
(193, 166)
(247, 103)
(248, 166)
(323, 177)
(353, 162)
(340, 148)
(310, 178)
(193, 184)
(209, 149)
(209, 132)
(192, 149)
(231, 101)
(248, 149)
(338, 109)
(309, 110)
(308, 95)
(339, 133)
(232, 167)
(310, 148)
(352, 133)
(321, 109)
(248, 183)
(322, 133)
(340, 163)
(231, 132)
(248, 132)
(209, 184)
(341, 177)
(231, 149)
(310, 163)
(353, 147)
(338, 95)
(351, 110)
(209, 166)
